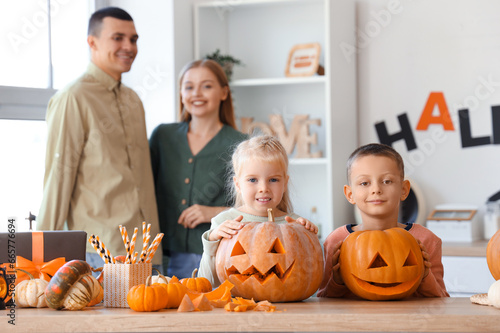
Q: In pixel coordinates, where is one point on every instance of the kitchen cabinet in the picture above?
(261, 34)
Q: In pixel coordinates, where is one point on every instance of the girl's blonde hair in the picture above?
(264, 148)
(226, 110)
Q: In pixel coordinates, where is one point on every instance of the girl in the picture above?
(260, 181)
(189, 161)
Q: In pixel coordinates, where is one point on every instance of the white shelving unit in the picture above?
(261, 34)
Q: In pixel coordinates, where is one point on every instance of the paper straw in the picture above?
(144, 249)
(132, 242)
(154, 245)
(148, 230)
(126, 242)
(101, 250)
(104, 248)
(143, 231)
(134, 258)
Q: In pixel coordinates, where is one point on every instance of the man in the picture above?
(97, 168)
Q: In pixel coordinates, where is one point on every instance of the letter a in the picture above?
(435, 99)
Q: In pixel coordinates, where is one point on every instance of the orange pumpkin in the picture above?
(175, 290)
(381, 264)
(271, 261)
(147, 297)
(493, 255)
(200, 284)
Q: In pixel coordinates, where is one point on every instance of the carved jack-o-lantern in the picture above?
(381, 264)
(270, 261)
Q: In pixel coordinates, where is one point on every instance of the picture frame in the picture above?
(303, 60)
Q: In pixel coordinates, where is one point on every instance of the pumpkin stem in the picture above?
(161, 276)
(270, 215)
(99, 269)
(26, 272)
(194, 273)
(148, 281)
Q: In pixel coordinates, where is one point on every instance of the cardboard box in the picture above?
(119, 278)
(68, 244)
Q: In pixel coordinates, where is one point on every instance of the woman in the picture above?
(189, 162)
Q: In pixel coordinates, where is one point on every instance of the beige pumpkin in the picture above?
(31, 293)
(82, 293)
(160, 278)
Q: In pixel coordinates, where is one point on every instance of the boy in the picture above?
(375, 174)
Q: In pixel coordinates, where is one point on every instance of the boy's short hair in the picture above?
(377, 149)
(95, 21)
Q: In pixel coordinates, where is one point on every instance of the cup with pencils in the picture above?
(123, 272)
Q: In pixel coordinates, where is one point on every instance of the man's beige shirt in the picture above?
(97, 168)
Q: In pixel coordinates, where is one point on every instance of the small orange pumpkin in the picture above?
(381, 264)
(200, 284)
(175, 290)
(493, 255)
(147, 297)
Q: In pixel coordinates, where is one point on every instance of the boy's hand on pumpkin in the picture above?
(305, 222)
(227, 229)
(427, 263)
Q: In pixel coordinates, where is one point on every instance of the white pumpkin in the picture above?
(494, 294)
(31, 293)
(160, 279)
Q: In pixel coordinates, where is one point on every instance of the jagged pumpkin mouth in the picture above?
(380, 286)
(252, 272)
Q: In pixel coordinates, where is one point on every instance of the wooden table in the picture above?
(314, 314)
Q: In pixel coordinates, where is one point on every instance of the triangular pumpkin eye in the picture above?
(277, 247)
(411, 260)
(237, 250)
(377, 262)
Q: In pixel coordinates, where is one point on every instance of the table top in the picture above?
(314, 314)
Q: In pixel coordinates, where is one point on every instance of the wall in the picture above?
(153, 74)
(408, 49)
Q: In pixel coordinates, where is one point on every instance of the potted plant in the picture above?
(226, 61)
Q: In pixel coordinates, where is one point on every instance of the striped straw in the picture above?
(154, 246)
(144, 252)
(126, 242)
(132, 242)
(103, 248)
(148, 230)
(134, 257)
(100, 248)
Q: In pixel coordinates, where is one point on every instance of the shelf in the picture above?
(278, 81)
(465, 249)
(240, 3)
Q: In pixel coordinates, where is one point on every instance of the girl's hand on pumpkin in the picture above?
(305, 222)
(427, 263)
(336, 264)
(227, 229)
(197, 214)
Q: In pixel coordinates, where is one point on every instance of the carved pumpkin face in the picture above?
(271, 261)
(381, 264)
